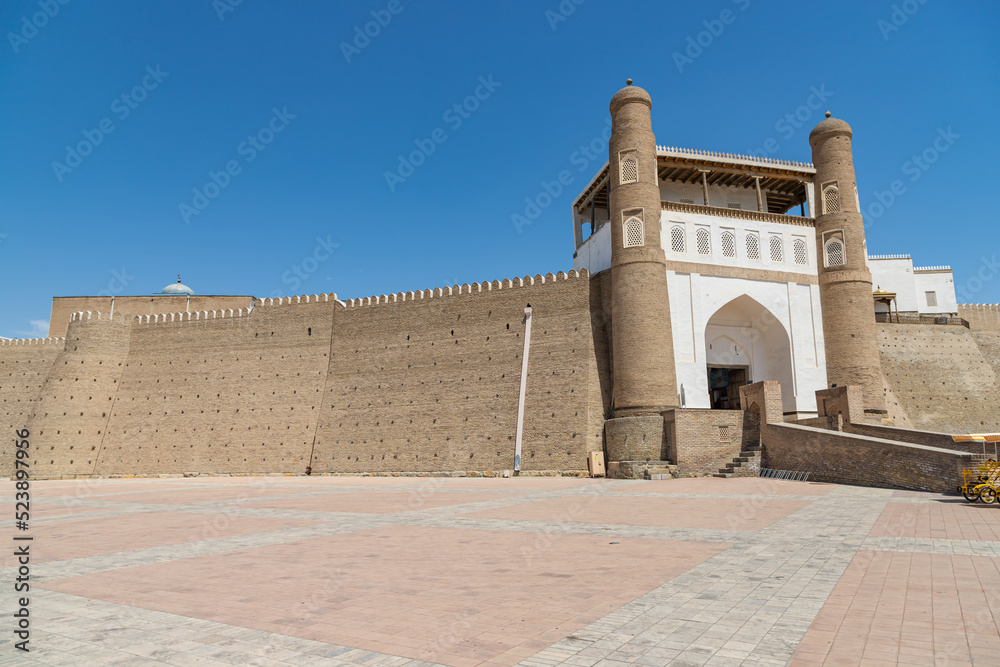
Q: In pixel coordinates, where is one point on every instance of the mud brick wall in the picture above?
(64, 307)
(70, 418)
(415, 382)
(981, 316)
(989, 346)
(24, 367)
(233, 393)
(831, 456)
(429, 382)
(941, 377)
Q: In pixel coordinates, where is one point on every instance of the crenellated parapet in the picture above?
(466, 289)
(32, 341)
(302, 298)
(981, 316)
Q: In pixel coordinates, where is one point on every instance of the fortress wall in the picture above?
(989, 345)
(24, 367)
(63, 307)
(981, 316)
(430, 381)
(223, 393)
(70, 417)
(941, 377)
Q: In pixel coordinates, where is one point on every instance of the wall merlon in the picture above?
(458, 290)
(32, 341)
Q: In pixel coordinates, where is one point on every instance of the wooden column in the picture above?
(704, 185)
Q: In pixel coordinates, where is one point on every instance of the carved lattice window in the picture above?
(835, 253)
(633, 233)
(704, 242)
(753, 246)
(677, 239)
(799, 249)
(728, 244)
(831, 198)
(777, 249)
(629, 167)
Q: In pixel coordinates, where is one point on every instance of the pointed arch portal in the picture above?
(746, 343)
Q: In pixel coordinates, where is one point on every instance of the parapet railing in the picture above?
(886, 318)
(738, 213)
(674, 150)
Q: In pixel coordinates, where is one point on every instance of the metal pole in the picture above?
(524, 383)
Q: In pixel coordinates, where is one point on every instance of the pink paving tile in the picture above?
(520, 483)
(439, 594)
(744, 514)
(740, 485)
(91, 488)
(234, 494)
(54, 510)
(377, 502)
(952, 519)
(908, 608)
(63, 540)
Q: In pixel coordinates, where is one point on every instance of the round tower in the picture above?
(845, 283)
(642, 346)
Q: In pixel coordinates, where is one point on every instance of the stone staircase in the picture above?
(747, 464)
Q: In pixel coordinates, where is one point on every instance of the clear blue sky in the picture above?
(76, 227)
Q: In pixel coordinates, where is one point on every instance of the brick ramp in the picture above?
(846, 458)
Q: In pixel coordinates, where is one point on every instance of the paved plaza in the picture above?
(491, 571)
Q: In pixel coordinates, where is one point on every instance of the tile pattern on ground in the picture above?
(754, 596)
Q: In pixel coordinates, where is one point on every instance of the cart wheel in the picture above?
(988, 494)
(971, 494)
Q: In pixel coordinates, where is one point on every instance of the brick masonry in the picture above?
(423, 382)
(63, 307)
(981, 316)
(942, 376)
(415, 382)
(703, 441)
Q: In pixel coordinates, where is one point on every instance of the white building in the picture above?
(740, 245)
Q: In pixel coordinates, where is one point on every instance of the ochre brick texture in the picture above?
(63, 307)
(424, 382)
(24, 367)
(703, 441)
(941, 377)
(831, 456)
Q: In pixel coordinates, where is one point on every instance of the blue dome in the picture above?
(178, 288)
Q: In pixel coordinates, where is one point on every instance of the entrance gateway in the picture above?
(724, 384)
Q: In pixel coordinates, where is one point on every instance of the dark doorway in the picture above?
(724, 384)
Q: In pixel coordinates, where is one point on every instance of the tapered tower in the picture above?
(845, 282)
(642, 346)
